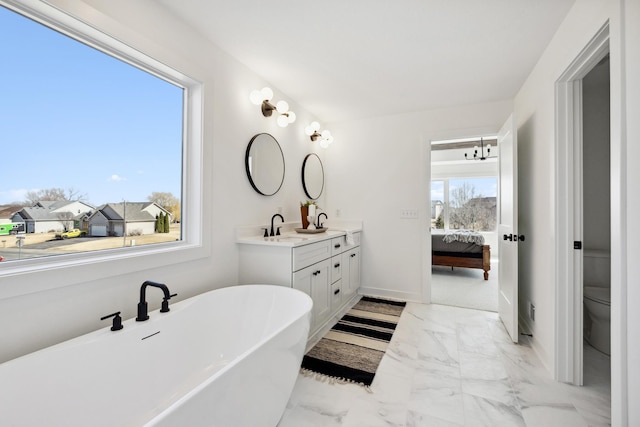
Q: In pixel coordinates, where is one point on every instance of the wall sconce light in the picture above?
(325, 137)
(263, 97)
(481, 156)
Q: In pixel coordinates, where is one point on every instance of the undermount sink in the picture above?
(290, 239)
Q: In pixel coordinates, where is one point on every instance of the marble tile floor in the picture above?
(449, 366)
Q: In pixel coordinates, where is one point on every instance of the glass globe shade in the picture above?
(266, 93)
(315, 126)
(308, 130)
(283, 121)
(282, 107)
(326, 134)
(291, 117)
(324, 143)
(256, 97)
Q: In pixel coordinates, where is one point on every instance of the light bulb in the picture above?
(283, 121)
(308, 130)
(325, 134)
(256, 97)
(324, 143)
(266, 93)
(315, 126)
(291, 116)
(282, 107)
(329, 140)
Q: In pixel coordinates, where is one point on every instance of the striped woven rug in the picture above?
(352, 350)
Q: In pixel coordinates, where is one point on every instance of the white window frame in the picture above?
(23, 276)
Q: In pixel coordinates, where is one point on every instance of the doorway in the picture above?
(595, 183)
(464, 196)
(583, 226)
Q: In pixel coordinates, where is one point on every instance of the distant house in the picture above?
(7, 211)
(116, 219)
(50, 215)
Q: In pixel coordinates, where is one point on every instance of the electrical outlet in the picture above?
(532, 312)
(409, 213)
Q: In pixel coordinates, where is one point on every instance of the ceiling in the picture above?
(345, 60)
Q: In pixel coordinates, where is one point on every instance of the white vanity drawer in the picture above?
(336, 294)
(336, 268)
(337, 245)
(306, 255)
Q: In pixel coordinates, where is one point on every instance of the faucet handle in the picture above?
(165, 303)
(117, 321)
(266, 232)
(278, 231)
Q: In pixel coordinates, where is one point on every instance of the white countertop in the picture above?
(254, 235)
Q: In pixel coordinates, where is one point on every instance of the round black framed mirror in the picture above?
(312, 176)
(264, 163)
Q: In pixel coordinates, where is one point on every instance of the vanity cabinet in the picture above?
(350, 272)
(314, 281)
(327, 269)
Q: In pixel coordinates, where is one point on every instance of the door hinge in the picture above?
(577, 244)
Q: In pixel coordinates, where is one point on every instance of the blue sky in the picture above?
(71, 116)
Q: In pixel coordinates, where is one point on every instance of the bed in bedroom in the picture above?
(460, 248)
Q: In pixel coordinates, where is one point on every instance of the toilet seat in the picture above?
(598, 294)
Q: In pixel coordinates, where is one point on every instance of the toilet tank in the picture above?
(597, 268)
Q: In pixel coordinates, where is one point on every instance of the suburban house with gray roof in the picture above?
(50, 215)
(131, 218)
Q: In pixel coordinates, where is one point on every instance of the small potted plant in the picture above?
(304, 211)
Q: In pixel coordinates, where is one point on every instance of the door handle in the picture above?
(513, 237)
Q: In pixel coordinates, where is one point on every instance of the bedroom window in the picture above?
(464, 203)
(96, 142)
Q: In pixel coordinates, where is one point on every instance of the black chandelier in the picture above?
(481, 156)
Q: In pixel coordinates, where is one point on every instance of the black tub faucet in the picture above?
(142, 305)
(325, 217)
(277, 233)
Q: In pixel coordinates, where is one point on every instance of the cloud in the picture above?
(116, 178)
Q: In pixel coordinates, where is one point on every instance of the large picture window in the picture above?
(464, 203)
(92, 146)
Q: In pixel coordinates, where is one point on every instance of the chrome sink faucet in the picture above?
(142, 305)
(277, 233)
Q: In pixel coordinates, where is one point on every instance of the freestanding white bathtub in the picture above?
(226, 358)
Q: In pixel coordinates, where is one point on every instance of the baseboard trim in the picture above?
(386, 293)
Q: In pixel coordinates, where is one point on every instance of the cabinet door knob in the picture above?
(337, 246)
(336, 292)
(337, 265)
(352, 255)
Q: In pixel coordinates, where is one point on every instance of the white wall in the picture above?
(535, 109)
(379, 166)
(84, 294)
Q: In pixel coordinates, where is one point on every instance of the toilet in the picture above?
(597, 300)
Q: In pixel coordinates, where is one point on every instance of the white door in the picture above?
(508, 228)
